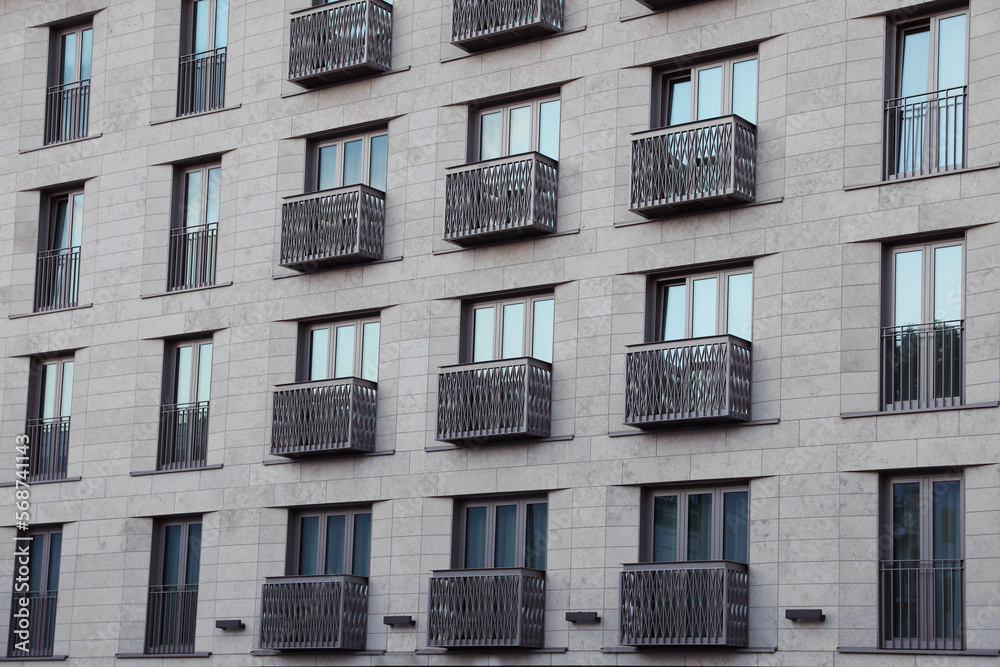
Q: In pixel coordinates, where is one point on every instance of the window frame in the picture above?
(56, 53)
(927, 277)
(37, 386)
(47, 240)
(647, 516)
(188, 36)
(661, 116)
(314, 163)
(467, 351)
(930, 20)
(305, 355)
(294, 547)
(159, 543)
(180, 201)
(171, 362)
(491, 503)
(46, 555)
(659, 294)
(505, 108)
(926, 480)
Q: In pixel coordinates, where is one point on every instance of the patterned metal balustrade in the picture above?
(183, 440)
(487, 608)
(923, 366)
(48, 448)
(192, 256)
(57, 279)
(698, 603)
(67, 112)
(502, 198)
(925, 134)
(315, 612)
(481, 24)
(694, 166)
(201, 82)
(495, 400)
(339, 226)
(700, 379)
(922, 606)
(323, 417)
(340, 40)
(41, 606)
(171, 617)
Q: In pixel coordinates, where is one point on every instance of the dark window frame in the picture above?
(160, 525)
(468, 331)
(657, 293)
(179, 199)
(315, 145)
(36, 397)
(188, 23)
(305, 350)
(646, 518)
(170, 361)
(55, 51)
(534, 101)
(491, 503)
(663, 78)
(294, 544)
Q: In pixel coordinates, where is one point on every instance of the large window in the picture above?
(49, 419)
(710, 91)
(518, 128)
(331, 541)
(512, 328)
(194, 236)
(57, 273)
(67, 103)
(351, 161)
(502, 532)
(172, 610)
(184, 415)
(708, 304)
(201, 81)
(344, 349)
(697, 525)
(33, 607)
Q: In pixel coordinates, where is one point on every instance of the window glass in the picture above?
(192, 207)
(183, 375)
(369, 351)
(193, 554)
(214, 189)
(948, 283)
(475, 537)
(328, 167)
(353, 161)
(77, 219)
(482, 346)
(505, 543)
(36, 568)
(379, 159)
(319, 354)
(739, 304)
(67, 389)
(68, 71)
(171, 555)
(86, 54)
(908, 288)
(951, 52)
(345, 352)
(947, 520)
(916, 62)
(703, 309)
(204, 371)
(745, 90)
(60, 223)
(221, 23)
(735, 526)
(55, 554)
(308, 545)
(680, 102)
(49, 381)
(548, 129)
(699, 531)
(710, 93)
(520, 130)
(513, 331)
(201, 24)
(536, 535)
(543, 326)
(362, 544)
(665, 529)
(490, 144)
(906, 521)
(336, 536)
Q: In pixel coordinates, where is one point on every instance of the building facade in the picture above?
(548, 332)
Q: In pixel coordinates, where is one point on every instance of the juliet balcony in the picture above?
(695, 603)
(502, 198)
(695, 166)
(57, 279)
(341, 226)
(486, 608)
(183, 437)
(481, 24)
(495, 400)
(67, 112)
(695, 380)
(324, 417)
(339, 41)
(48, 451)
(314, 612)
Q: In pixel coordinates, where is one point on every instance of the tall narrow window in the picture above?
(351, 161)
(335, 541)
(57, 273)
(49, 419)
(710, 91)
(67, 102)
(172, 609)
(194, 237)
(33, 607)
(513, 328)
(184, 415)
(519, 128)
(698, 525)
(502, 532)
(344, 349)
(201, 80)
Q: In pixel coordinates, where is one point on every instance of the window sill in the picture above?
(185, 291)
(193, 115)
(41, 148)
(910, 179)
(300, 459)
(36, 658)
(448, 251)
(679, 216)
(755, 422)
(47, 481)
(973, 652)
(970, 406)
(693, 649)
(196, 654)
(143, 473)
(48, 312)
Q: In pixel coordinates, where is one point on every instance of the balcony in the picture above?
(48, 448)
(183, 438)
(341, 226)
(694, 166)
(338, 41)
(697, 603)
(502, 198)
(317, 612)
(481, 24)
(687, 381)
(57, 279)
(324, 417)
(41, 606)
(67, 112)
(192, 257)
(171, 617)
(921, 604)
(487, 608)
(925, 134)
(923, 366)
(201, 82)
(495, 400)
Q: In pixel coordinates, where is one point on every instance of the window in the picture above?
(350, 161)
(502, 532)
(518, 128)
(194, 236)
(923, 356)
(184, 415)
(49, 419)
(710, 91)
(512, 328)
(709, 304)
(172, 610)
(344, 349)
(922, 571)
(331, 541)
(57, 278)
(67, 102)
(33, 608)
(697, 525)
(925, 121)
(202, 75)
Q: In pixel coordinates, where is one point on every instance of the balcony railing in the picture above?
(700, 379)
(922, 604)
(694, 166)
(183, 436)
(67, 111)
(340, 40)
(201, 82)
(171, 618)
(487, 608)
(925, 134)
(41, 606)
(480, 24)
(698, 603)
(495, 400)
(192, 256)
(339, 226)
(57, 279)
(923, 365)
(323, 417)
(318, 612)
(510, 196)
(48, 448)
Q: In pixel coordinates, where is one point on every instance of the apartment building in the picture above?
(445, 332)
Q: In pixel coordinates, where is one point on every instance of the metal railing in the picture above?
(699, 379)
(41, 606)
(486, 608)
(922, 604)
(925, 134)
(495, 400)
(192, 256)
(316, 612)
(48, 448)
(340, 40)
(333, 227)
(694, 166)
(183, 436)
(324, 416)
(480, 24)
(510, 196)
(695, 603)
(923, 366)
(171, 618)
(57, 279)
(201, 82)
(67, 112)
